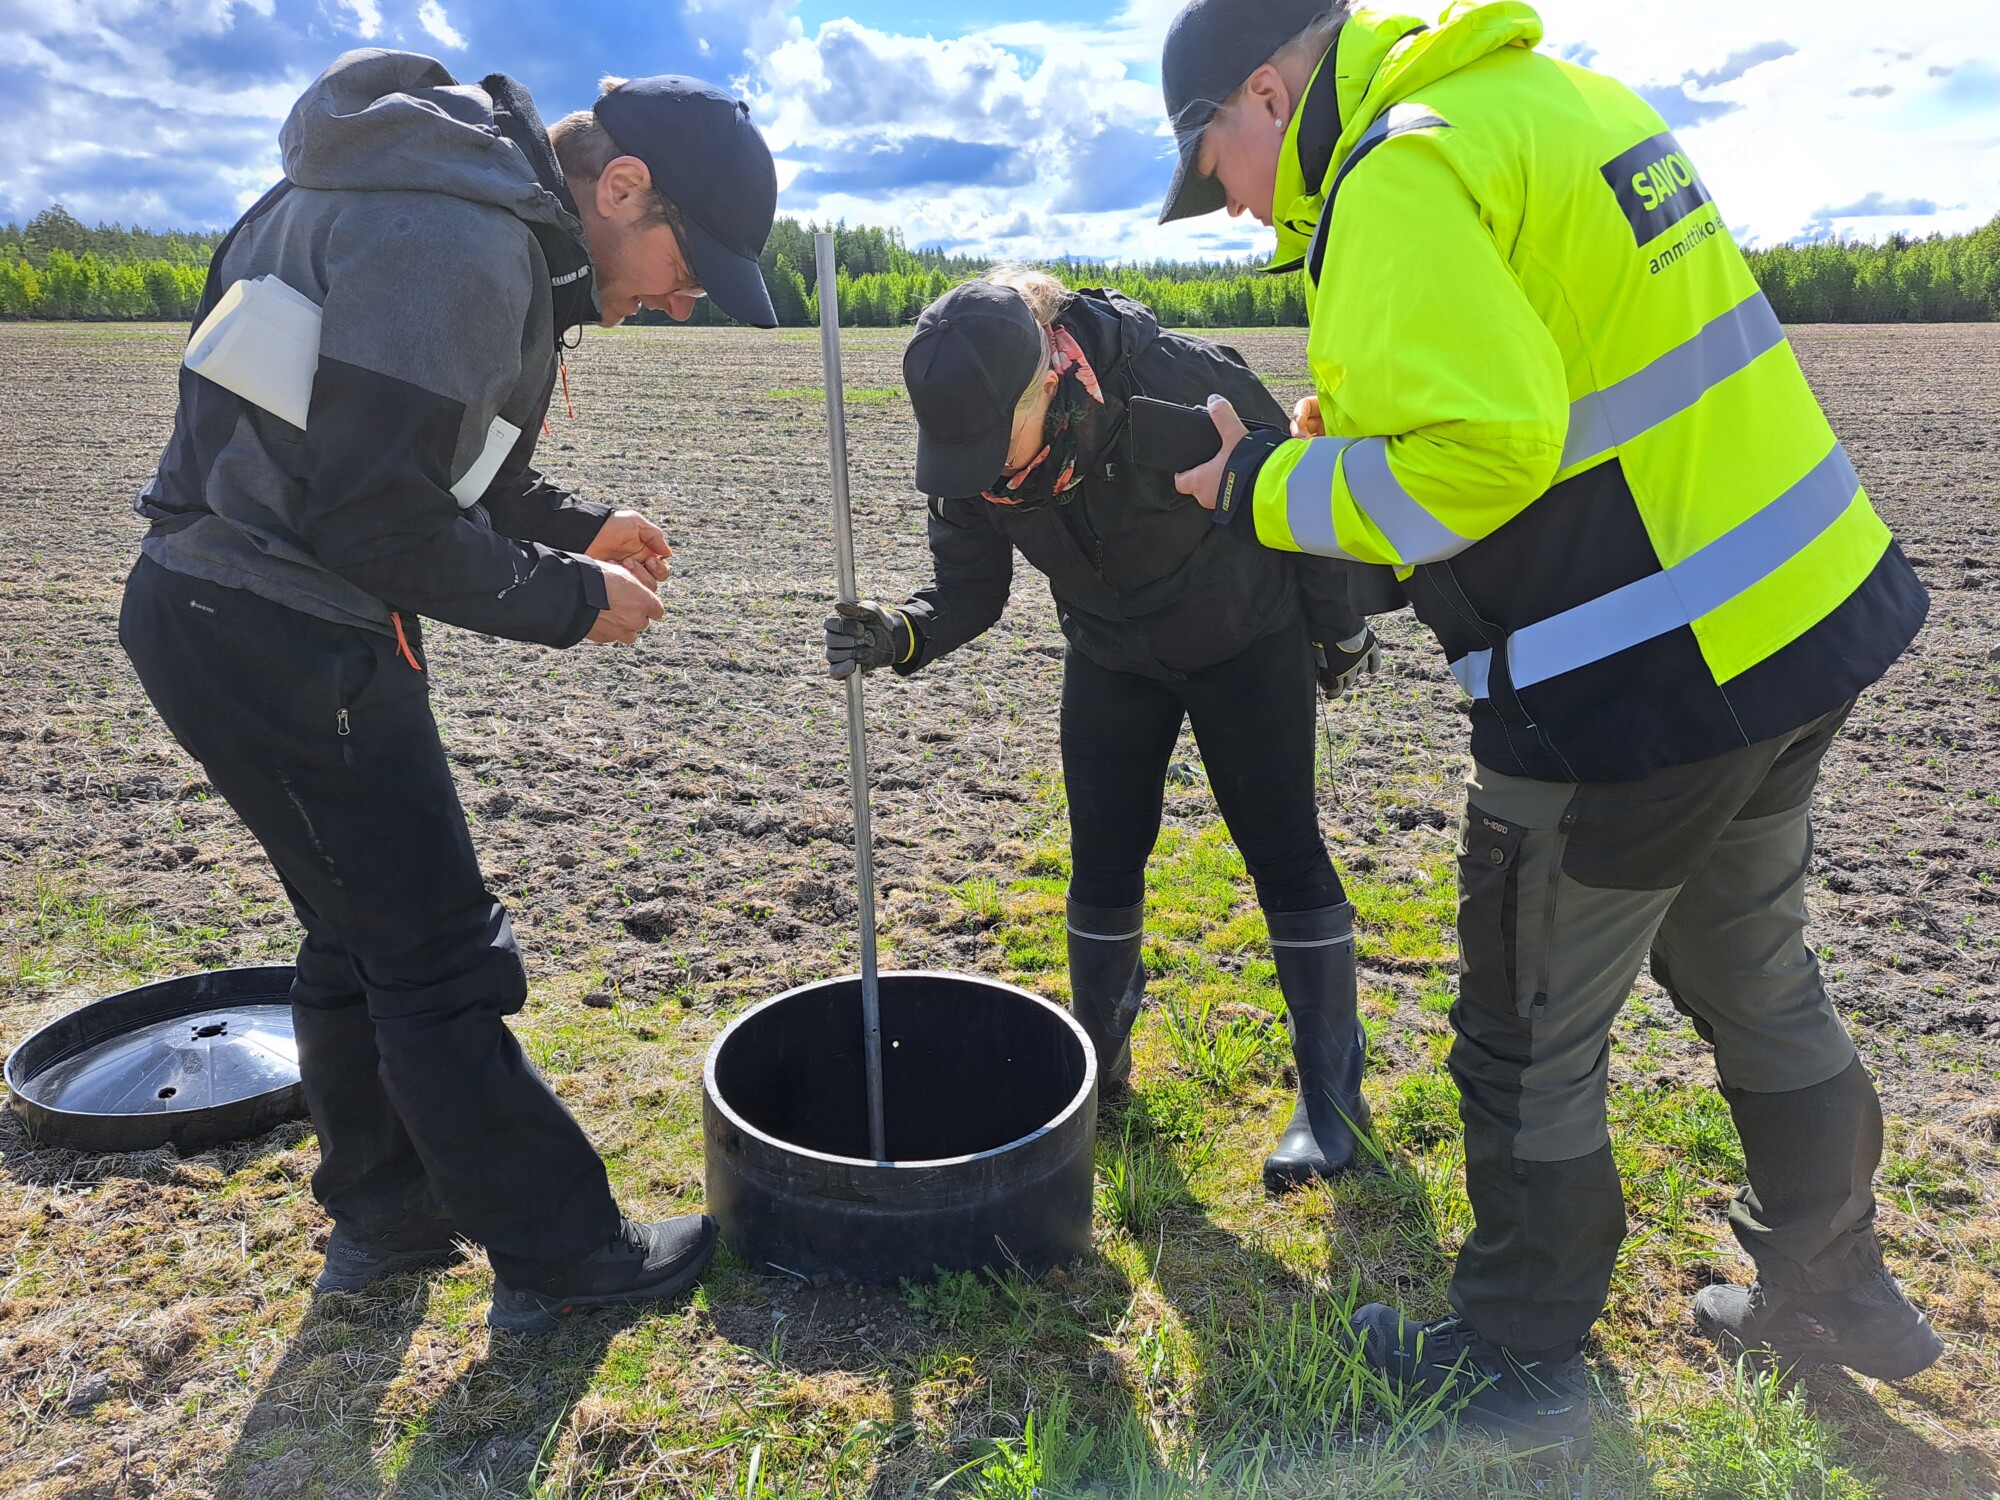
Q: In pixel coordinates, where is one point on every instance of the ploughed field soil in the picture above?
(671, 828)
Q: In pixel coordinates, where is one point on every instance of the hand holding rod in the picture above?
(857, 723)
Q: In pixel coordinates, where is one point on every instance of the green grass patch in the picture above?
(1198, 1351)
(58, 933)
(1757, 1440)
(855, 395)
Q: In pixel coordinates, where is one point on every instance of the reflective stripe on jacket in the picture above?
(1558, 405)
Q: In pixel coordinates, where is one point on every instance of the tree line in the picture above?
(56, 267)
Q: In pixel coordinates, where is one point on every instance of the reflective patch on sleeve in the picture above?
(1656, 185)
(1309, 496)
(501, 435)
(1416, 534)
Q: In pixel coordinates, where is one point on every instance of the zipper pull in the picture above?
(403, 642)
(341, 720)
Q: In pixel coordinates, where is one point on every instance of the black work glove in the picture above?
(1345, 663)
(867, 635)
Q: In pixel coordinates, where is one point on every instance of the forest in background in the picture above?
(56, 267)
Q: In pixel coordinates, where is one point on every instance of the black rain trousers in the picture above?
(320, 737)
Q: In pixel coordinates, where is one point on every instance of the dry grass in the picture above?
(678, 853)
(157, 1336)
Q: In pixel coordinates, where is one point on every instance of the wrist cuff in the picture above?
(1239, 477)
(906, 642)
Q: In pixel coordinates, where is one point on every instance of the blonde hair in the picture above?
(585, 148)
(1313, 40)
(1044, 295)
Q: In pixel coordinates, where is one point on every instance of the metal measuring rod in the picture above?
(857, 722)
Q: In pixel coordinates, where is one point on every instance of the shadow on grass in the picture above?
(30, 1162)
(1892, 1446)
(1279, 1392)
(914, 1383)
(339, 1416)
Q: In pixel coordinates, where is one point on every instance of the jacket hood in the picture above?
(1380, 58)
(381, 121)
(1112, 331)
(1111, 327)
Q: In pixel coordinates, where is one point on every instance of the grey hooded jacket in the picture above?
(412, 212)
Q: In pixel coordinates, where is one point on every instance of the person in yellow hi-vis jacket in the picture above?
(1551, 398)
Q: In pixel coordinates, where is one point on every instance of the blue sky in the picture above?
(1004, 127)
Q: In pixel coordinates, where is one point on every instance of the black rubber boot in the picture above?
(1539, 1404)
(1314, 952)
(642, 1263)
(1870, 1328)
(354, 1265)
(1107, 984)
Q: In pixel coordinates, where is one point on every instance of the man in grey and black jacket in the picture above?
(450, 244)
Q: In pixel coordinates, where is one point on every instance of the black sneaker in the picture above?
(1541, 1407)
(354, 1265)
(642, 1263)
(1871, 1328)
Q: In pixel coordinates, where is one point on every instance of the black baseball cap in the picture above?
(1212, 46)
(708, 158)
(975, 351)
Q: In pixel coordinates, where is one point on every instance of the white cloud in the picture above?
(367, 17)
(1852, 111)
(1066, 148)
(431, 16)
(1788, 106)
(762, 26)
(112, 108)
(1022, 137)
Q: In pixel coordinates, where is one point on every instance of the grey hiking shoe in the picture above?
(354, 1265)
(640, 1263)
(1871, 1329)
(1540, 1407)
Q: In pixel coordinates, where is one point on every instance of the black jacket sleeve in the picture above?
(526, 506)
(1323, 589)
(1183, 367)
(972, 571)
(384, 518)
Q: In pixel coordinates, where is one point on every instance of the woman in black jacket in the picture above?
(1019, 389)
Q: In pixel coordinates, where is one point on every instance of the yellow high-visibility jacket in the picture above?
(1557, 404)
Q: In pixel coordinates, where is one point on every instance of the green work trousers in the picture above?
(1564, 890)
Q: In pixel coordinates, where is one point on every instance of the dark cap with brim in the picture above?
(1212, 47)
(712, 163)
(975, 351)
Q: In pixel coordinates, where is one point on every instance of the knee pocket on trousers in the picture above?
(1487, 1014)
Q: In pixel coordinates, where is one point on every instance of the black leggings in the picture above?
(1252, 717)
